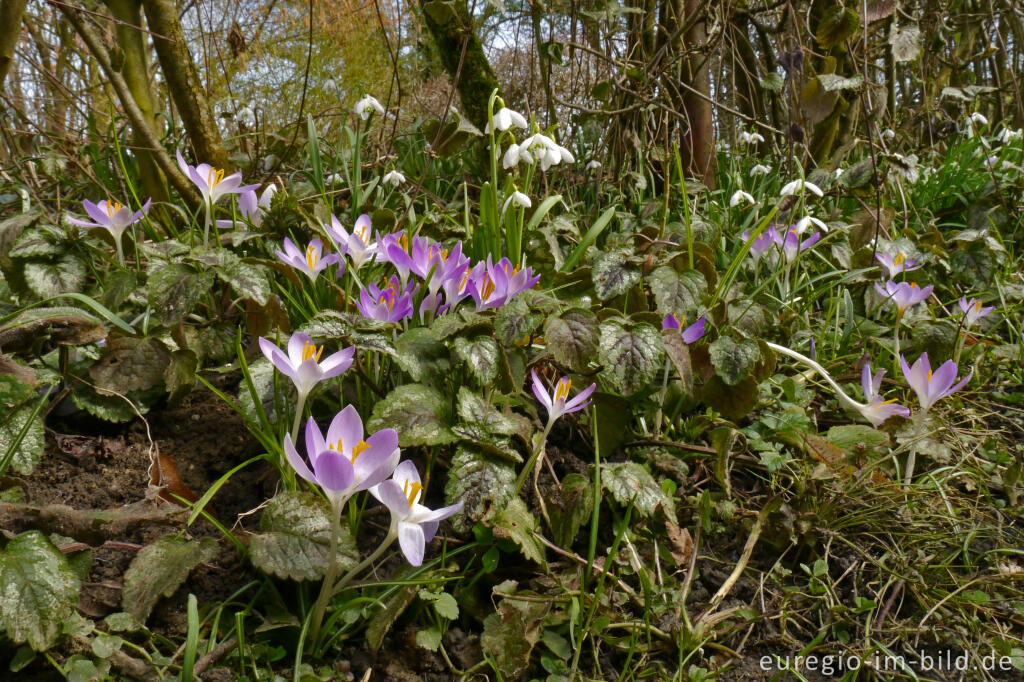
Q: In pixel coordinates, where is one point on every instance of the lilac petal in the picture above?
(412, 541)
(336, 363)
(810, 241)
(314, 440)
(429, 529)
(248, 205)
(670, 322)
(538, 390)
(277, 358)
(82, 223)
(333, 471)
(580, 401)
(694, 332)
(296, 460)
(961, 384)
(96, 213)
(391, 496)
(142, 211)
(942, 379)
(439, 514)
(866, 384)
(181, 163)
(346, 427)
(199, 181)
(406, 471)
(374, 469)
(296, 344)
(307, 375)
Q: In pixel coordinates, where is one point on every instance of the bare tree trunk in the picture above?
(11, 12)
(183, 84)
(698, 150)
(136, 77)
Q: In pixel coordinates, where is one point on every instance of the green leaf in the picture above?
(382, 620)
(180, 374)
(111, 408)
(511, 633)
(453, 323)
(247, 280)
(38, 590)
(429, 638)
(631, 355)
(295, 538)
(515, 321)
(854, 437)
(572, 508)
(630, 482)
(159, 569)
(28, 453)
(420, 354)
(34, 244)
(419, 414)
(474, 409)
(837, 24)
(14, 391)
(516, 523)
(444, 603)
(50, 279)
(175, 289)
(732, 402)
(131, 364)
(572, 337)
(678, 293)
(483, 484)
(614, 274)
(772, 82)
(480, 355)
(734, 361)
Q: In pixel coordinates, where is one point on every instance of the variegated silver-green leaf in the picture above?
(481, 356)
(38, 590)
(629, 482)
(419, 414)
(631, 355)
(614, 274)
(572, 337)
(678, 293)
(159, 569)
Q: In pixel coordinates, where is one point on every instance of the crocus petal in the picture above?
(333, 471)
(347, 427)
(412, 541)
(695, 331)
(942, 378)
(538, 390)
(295, 459)
(437, 514)
(277, 358)
(315, 443)
(580, 401)
(96, 213)
(391, 496)
(296, 344)
(82, 223)
(406, 472)
(336, 363)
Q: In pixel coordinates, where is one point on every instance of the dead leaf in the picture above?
(682, 543)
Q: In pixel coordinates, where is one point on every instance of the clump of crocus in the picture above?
(894, 265)
(358, 245)
(114, 218)
(312, 261)
(691, 334)
(557, 403)
(390, 303)
(973, 310)
(213, 184)
(877, 410)
(251, 208)
(303, 366)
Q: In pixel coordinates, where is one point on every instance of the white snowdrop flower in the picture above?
(978, 119)
(333, 179)
(888, 134)
(517, 198)
(750, 138)
(505, 118)
(366, 106)
(740, 195)
(838, 172)
(990, 161)
(807, 221)
(760, 169)
(798, 185)
(514, 154)
(246, 117)
(394, 178)
(593, 165)
(330, 84)
(1006, 136)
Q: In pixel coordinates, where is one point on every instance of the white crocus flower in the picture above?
(366, 106)
(739, 196)
(801, 185)
(394, 178)
(760, 169)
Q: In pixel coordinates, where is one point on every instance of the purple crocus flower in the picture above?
(764, 243)
(113, 217)
(973, 311)
(904, 294)
(894, 265)
(791, 244)
(343, 463)
(930, 387)
(357, 245)
(302, 362)
(212, 182)
(251, 208)
(877, 410)
(456, 287)
(391, 303)
(415, 524)
(313, 261)
(692, 333)
(492, 285)
(557, 403)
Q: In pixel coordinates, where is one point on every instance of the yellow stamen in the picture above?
(929, 375)
(888, 402)
(898, 260)
(562, 389)
(311, 351)
(464, 282)
(487, 288)
(113, 207)
(977, 307)
(311, 257)
(411, 490)
(214, 177)
(913, 285)
(363, 233)
(359, 449)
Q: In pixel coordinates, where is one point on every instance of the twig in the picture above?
(209, 659)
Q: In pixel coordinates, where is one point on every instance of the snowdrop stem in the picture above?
(388, 540)
(332, 570)
(532, 462)
(846, 400)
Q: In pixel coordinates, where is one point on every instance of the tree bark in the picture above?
(476, 80)
(698, 150)
(183, 84)
(11, 12)
(136, 75)
(170, 167)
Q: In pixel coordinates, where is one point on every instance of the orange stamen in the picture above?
(311, 257)
(411, 490)
(311, 351)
